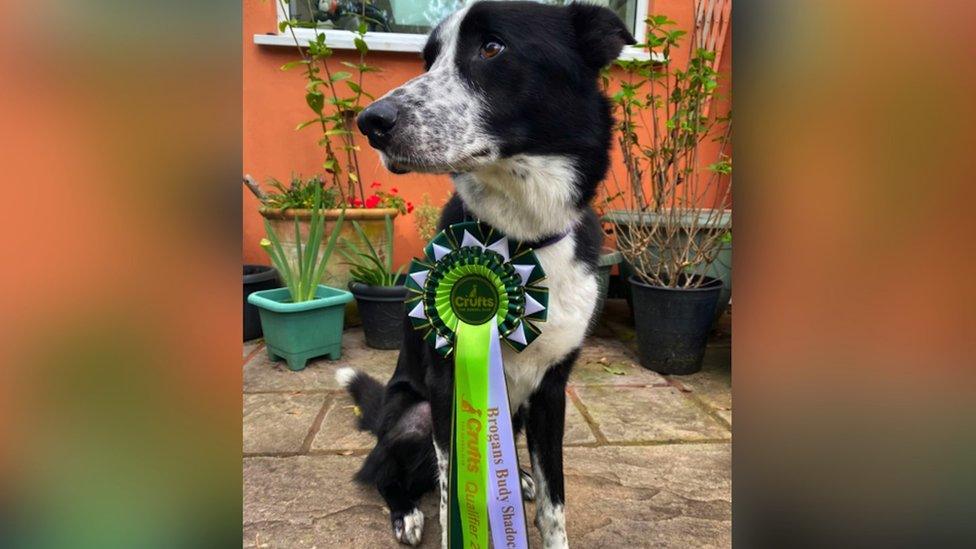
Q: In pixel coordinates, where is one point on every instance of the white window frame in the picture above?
(402, 42)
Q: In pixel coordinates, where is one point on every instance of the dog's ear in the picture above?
(600, 34)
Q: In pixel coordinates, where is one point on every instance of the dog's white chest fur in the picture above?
(529, 197)
(572, 296)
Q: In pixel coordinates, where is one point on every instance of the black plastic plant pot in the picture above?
(381, 309)
(608, 258)
(256, 279)
(672, 324)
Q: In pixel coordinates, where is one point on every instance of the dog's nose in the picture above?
(377, 120)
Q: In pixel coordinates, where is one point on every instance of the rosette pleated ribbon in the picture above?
(474, 289)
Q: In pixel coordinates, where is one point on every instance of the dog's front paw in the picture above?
(408, 528)
(528, 486)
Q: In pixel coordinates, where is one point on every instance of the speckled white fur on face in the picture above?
(440, 125)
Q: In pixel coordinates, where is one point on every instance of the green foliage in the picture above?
(335, 98)
(369, 267)
(674, 197)
(723, 166)
(300, 194)
(663, 113)
(302, 273)
(426, 218)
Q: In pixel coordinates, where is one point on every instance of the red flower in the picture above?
(372, 201)
(394, 190)
(355, 202)
(376, 185)
(409, 207)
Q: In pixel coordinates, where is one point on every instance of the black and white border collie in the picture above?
(509, 106)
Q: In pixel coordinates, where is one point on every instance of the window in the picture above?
(402, 25)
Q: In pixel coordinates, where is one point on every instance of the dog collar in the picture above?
(534, 244)
(547, 241)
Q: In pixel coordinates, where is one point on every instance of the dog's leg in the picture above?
(525, 478)
(404, 471)
(441, 384)
(405, 518)
(442, 463)
(544, 430)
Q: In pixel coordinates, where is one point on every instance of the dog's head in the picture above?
(502, 78)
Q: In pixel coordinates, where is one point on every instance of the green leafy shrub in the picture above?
(368, 267)
(426, 218)
(300, 194)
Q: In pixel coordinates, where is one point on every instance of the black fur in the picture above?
(542, 91)
(543, 99)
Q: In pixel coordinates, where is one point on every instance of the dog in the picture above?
(510, 107)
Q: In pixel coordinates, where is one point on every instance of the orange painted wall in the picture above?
(274, 103)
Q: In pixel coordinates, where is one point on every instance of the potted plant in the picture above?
(676, 217)
(256, 278)
(379, 291)
(284, 204)
(334, 93)
(305, 319)
(608, 258)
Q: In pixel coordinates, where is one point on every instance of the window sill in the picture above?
(386, 41)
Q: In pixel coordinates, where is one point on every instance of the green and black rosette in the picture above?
(473, 289)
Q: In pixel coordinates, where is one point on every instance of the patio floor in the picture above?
(647, 458)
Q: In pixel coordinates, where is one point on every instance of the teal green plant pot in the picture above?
(297, 332)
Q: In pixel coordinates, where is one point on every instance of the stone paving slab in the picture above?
(250, 346)
(577, 429)
(606, 361)
(261, 374)
(339, 432)
(652, 496)
(676, 495)
(726, 415)
(641, 480)
(713, 385)
(312, 501)
(629, 414)
(276, 423)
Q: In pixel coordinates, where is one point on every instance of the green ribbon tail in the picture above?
(469, 475)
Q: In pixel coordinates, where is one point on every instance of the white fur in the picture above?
(442, 466)
(528, 486)
(526, 196)
(344, 376)
(549, 518)
(413, 528)
(531, 197)
(441, 126)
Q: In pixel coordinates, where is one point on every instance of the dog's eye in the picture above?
(491, 48)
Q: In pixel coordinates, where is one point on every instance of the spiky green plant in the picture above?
(303, 280)
(368, 267)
